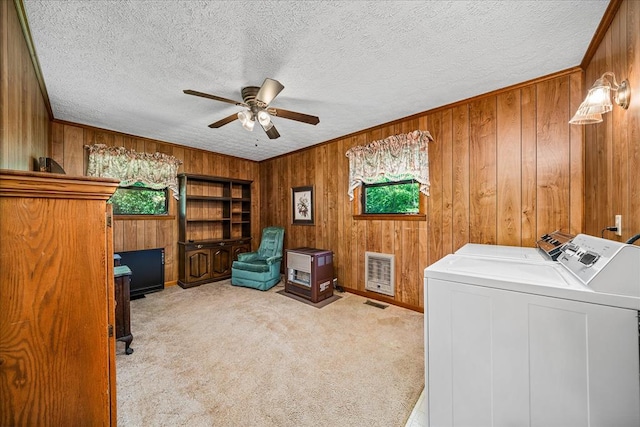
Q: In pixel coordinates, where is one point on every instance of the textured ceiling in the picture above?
(123, 65)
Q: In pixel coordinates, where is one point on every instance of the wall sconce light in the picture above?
(598, 100)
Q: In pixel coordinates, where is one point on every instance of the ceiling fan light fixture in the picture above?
(244, 116)
(246, 119)
(256, 102)
(264, 118)
(249, 125)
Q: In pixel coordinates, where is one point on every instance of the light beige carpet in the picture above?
(220, 355)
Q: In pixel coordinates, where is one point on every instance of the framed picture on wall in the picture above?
(302, 205)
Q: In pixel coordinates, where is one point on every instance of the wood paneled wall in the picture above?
(612, 148)
(505, 168)
(24, 118)
(68, 141)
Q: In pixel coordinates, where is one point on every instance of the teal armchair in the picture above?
(261, 269)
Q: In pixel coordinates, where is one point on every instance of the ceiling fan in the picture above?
(256, 100)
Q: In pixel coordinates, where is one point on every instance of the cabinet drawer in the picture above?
(195, 246)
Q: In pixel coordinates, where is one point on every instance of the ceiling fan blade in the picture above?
(214, 97)
(292, 115)
(268, 91)
(224, 121)
(272, 133)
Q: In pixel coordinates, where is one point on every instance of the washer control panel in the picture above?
(551, 244)
(602, 264)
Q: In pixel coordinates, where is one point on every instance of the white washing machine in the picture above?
(510, 342)
(501, 251)
(549, 246)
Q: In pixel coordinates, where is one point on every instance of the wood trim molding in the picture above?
(602, 29)
(24, 24)
(56, 186)
(143, 217)
(391, 217)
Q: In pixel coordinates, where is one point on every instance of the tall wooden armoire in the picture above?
(57, 347)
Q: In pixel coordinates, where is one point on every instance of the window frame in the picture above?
(359, 207)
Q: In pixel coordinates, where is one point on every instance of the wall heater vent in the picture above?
(379, 271)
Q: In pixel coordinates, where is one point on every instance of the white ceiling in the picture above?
(123, 65)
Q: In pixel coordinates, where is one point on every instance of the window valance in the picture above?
(397, 158)
(157, 170)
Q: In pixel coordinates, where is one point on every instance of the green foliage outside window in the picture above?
(139, 200)
(391, 198)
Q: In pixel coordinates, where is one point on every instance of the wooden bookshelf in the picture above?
(214, 227)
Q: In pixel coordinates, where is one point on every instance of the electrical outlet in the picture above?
(619, 225)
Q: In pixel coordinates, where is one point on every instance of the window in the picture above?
(138, 200)
(391, 197)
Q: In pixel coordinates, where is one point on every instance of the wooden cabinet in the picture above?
(208, 261)
(122, 274)
(57, 349)
(214, 227)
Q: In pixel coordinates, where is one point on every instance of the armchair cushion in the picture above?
(258, 266)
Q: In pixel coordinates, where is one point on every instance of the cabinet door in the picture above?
(240, 249)
(55, 309)
(221, 261)
(198, 265)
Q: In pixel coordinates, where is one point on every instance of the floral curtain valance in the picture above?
(155, 171)
(398, 157)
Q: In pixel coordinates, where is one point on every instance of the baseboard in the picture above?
(382, 298)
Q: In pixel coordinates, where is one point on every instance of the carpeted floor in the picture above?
(219, 355)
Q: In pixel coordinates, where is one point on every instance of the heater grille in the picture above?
(380, 273)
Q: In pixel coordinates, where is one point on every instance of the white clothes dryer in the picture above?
(514, 342)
